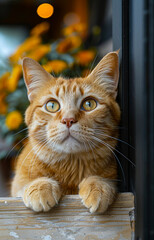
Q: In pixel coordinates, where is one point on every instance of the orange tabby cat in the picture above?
(72, 130)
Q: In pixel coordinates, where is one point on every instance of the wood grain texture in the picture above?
(69, 220)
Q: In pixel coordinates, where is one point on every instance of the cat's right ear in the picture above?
(106, 73)
(35, 76)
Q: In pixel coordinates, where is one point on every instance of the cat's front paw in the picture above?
(96, 193)
(42, 194)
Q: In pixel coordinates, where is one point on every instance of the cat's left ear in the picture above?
(35, 76)
(106, 73)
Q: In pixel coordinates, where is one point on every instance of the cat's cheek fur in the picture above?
(96, 193)
(42, 194)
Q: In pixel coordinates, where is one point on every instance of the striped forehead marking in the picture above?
(57, 92)
(64, 89)
(74, 88)
(81, 91)
(69, 87)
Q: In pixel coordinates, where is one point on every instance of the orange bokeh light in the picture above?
(45, 10)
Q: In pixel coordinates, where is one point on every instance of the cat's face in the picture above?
(69, 115)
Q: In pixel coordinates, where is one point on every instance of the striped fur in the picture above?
(53, 164)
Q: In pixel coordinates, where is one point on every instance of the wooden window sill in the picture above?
(69, 220)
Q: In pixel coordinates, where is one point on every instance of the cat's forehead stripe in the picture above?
(57, 92)
(74, 88)
(69, 86)
(81, 91)
(64, 89)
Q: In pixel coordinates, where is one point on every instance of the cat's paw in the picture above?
(42, 194)
(96, 193)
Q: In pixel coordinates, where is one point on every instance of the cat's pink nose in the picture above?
(68, 121)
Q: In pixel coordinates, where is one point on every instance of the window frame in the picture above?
(133, 32)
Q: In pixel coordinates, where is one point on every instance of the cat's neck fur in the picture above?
(70, 169)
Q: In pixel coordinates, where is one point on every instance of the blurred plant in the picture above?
(66, 56)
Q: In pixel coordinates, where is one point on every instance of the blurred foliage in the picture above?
(66, 56)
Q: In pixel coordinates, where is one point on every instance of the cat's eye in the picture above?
(89, 104)
(52, 106)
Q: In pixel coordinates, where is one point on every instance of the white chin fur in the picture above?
(70, 145)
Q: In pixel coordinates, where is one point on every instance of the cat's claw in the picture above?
(42, 194)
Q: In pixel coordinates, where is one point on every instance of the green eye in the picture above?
(89, 104)
(52, 106)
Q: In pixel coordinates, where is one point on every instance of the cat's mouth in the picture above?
(69, 142)
(69, 137)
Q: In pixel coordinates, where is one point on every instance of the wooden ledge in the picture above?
(69, 220)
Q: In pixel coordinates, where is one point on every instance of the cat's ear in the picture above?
(35, 76)
(106, 73)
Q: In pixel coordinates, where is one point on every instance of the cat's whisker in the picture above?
(28, 155)
(105, 135)
(122, 155)
(94, 131)
(114, 149)
(53, 73)
(118, 150)
(51, 143)
(89, 143)
(94, 144)
(40, 136)
(37, 155)
(115, 157)
(56, 134)
(107, 128)
(24, 129)
(16, 158)
(90, 70)
(15, 146)
(85, 144)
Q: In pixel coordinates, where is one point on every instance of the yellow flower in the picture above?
(28, 45)
(78, 27)
(39, 52)
(3, 104)
(3, 80)
(2, 96)
(14, 78)
(85, 57)
(40, 29)
(3, 108)
(68, 44)
(55, 66)
(14, 120)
